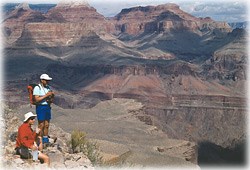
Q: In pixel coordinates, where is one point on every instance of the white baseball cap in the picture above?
(28, 115)
(45, 77)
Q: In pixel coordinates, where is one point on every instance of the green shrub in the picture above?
(78, 140)
(93, 153)
(79, 143)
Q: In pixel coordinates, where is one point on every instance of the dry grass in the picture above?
(79, 143)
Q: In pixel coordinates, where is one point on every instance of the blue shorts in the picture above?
(43, 112)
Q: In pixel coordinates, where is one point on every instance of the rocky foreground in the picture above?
(60, 154)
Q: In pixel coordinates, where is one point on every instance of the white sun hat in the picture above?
(45, 77)
(28, 115)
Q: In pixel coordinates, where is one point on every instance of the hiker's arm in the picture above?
(40, 98)
(34, 147)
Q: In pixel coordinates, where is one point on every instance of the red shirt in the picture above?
(26, 136)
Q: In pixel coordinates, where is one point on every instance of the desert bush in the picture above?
(92, 151)
(78, 140)
(79, 143)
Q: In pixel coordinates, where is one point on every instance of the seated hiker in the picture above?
(26, 143)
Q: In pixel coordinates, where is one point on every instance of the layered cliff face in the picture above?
(229, 61)
(62, 25)
(15, 21)
(81, 12)
(163, 18)
(75, 12)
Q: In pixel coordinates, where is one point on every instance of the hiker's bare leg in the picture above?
(46, 128)
(40, 146)
(44, 157)
(41, 125)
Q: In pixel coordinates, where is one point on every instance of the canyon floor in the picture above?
(123, 139)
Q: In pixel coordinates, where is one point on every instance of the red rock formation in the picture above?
(81, 12)
(15, 21)
(76, 12)
(63, 25)
(163, 18)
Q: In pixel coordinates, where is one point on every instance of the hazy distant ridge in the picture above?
(242, 25)
(44, 8)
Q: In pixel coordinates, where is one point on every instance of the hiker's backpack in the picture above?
(30, 88)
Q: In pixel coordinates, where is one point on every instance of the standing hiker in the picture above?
(26, 145)
(44, 97)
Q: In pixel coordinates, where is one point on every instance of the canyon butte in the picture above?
(187, 73)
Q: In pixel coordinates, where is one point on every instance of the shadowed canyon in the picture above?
(163, 86)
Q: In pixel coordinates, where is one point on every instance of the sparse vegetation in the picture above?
(119, 161)
(79, 143)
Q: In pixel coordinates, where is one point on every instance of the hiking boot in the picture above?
(45, 140)
(52, 139)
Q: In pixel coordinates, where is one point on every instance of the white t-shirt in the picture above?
(41, 91)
